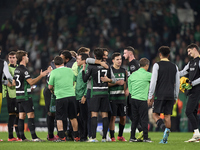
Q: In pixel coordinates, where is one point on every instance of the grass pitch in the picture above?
(175, 142)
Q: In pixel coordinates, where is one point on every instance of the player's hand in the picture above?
(9, 84)
(150, 102)
(105, 79)
(83, 99)
(49, 69)
(33, 87)
(190, 82)
(120, 82)
(44, 73)
(103, 64)
(84, 65)
(126, 92)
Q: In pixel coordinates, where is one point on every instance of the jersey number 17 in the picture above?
(99, 73)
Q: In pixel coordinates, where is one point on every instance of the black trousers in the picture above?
(89, 113)
(84, 119)
(192, 108)
(47, 98)
(139, 113)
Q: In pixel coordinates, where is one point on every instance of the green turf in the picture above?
(175, 142)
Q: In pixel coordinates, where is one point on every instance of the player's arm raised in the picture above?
(95, 61)
(35, 80)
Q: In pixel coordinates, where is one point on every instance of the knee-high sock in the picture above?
(50, 125)
(105, 126)
(160, 123)
(94, 126)
(31, 126)
(121, 129)
(80, 126)
(21, 129)
(11, 120)
(61, 134)
(112, 132)
(16, 127)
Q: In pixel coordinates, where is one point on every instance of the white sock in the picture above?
(107, 135)
(196, 131)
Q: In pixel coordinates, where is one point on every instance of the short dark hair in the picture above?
(83, 50)
(191, 46)
(98, 52)
(143, 62)
(20, 54)
(12, 53)
(164, 50)
(105, 49)
(60, 52)
(84, 56)
(67, 54)
(115, 55)
(58, 60)
(130, 48)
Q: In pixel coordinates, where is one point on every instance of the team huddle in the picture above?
(79, 88)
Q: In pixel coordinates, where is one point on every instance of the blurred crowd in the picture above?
(43, 27)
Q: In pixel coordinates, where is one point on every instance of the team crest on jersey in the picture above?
(122, 75)
(26, 73)
(195, 64)
(119, 75)
(132, 67)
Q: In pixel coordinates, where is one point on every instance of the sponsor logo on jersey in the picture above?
(192, 69)
(17, 71)
(132, 67)
(100, 67)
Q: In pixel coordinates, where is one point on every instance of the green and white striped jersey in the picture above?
(116, 93)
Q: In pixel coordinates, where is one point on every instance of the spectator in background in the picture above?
(173, 51)
(197, 33)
